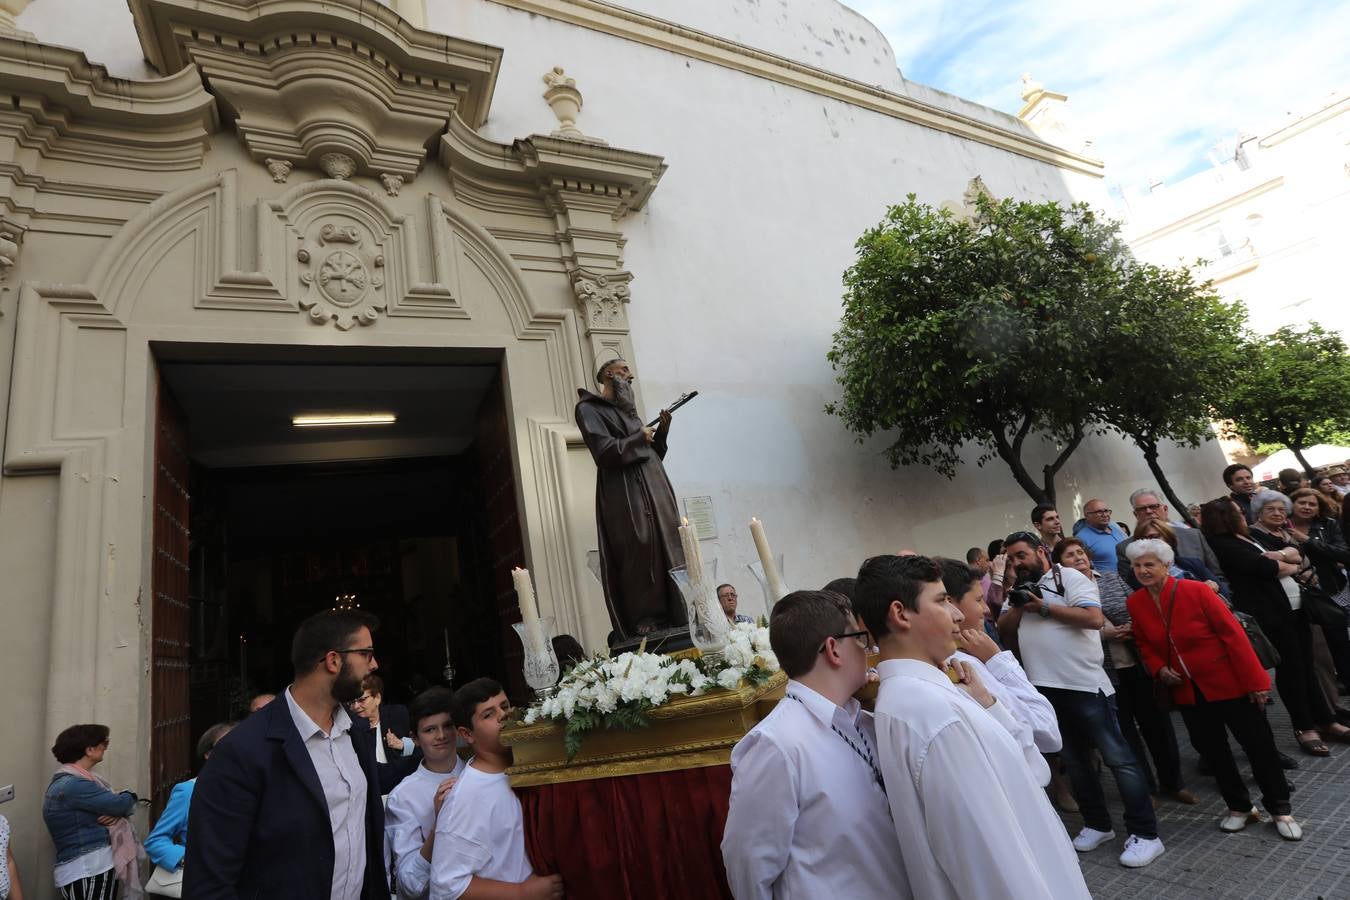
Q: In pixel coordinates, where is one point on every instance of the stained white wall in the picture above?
(738, 260)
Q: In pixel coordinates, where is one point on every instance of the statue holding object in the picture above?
(636, 517)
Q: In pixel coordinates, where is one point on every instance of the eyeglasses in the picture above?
(1152, 507)
(1099, 512)
(367, 652)
(863, 639)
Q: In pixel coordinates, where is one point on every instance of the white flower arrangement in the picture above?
(605, 693)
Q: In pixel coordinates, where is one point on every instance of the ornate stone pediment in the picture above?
(357, 90)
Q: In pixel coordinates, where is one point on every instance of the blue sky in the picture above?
(1156, 85)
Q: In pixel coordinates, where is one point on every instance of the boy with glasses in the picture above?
(808, 814)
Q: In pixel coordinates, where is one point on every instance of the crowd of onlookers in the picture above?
(1007, 681)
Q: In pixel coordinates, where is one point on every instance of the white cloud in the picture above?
(1156, 84)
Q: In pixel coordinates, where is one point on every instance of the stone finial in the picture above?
(337, 165)
(279, 169)
(9, 14)
(1030, 86)
(564, 99)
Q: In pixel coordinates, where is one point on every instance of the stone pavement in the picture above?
(1202, 861)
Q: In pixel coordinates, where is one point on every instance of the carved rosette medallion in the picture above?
(602, 297)
(342, 268)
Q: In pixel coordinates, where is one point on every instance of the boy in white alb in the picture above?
(479, 848)
(808, 815)
(410, 813)
(971, 820)
(999, 670)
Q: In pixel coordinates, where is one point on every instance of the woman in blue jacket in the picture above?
(167, 841)
(96, 849)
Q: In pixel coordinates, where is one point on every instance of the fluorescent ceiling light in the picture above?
(329, 420)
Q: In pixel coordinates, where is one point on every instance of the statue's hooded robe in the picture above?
(635, 515)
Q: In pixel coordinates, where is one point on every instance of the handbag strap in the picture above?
(1167, 628)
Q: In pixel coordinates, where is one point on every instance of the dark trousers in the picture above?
(1294, 677)
(1139, 715)
(1206, 721)
(1338, 642)
(1089, 720)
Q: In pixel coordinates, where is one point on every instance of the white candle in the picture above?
(529, 611)
(775, 581)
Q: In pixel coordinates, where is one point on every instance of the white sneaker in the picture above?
(1090, 839)
(1140, 851)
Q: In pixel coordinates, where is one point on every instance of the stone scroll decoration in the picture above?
(341, 274)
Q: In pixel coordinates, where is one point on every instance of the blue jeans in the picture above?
(1087, 721)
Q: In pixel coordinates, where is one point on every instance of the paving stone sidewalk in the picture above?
(1202, 861)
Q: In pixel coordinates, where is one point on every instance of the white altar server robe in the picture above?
(1007, 681)
(409, 819)
(807, 819)
(971, 819)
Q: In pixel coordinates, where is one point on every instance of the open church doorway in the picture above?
(262, 519)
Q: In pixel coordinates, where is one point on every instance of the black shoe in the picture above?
(1288, 763)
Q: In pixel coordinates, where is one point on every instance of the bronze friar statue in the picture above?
(635, 510)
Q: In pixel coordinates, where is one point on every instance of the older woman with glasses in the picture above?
(1260, 576)
(1183, 566)
(1192, 644)
(1137, 709)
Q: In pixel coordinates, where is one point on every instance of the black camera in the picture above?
(1024, 592)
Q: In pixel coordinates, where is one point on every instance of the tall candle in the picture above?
(775, 581)
(529, 611)
(704, 598)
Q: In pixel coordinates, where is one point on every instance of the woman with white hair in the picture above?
(1191, 643)
(1262, 585)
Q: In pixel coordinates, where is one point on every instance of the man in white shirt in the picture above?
(1000, 671)
(971, 819)
(1059, 634)
(479, 849)
(810, 766)
(410, 814)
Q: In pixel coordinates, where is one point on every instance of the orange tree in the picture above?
(983, 330)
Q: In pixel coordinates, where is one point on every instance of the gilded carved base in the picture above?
(689, 733)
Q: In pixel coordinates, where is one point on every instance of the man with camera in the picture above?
(1056, 616)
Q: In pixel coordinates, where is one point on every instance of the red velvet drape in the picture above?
(656, 837)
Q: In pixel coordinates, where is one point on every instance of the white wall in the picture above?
(738, 260)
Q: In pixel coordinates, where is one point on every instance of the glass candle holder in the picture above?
(541, 663)
(757, 569)
(708, 626)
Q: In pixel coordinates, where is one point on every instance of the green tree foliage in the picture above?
(1291, 388)
(981, 330)
(1171, 349)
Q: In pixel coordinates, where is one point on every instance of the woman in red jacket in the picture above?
(1190, 642)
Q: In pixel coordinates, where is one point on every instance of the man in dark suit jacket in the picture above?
(1190, 542)
(289, 805)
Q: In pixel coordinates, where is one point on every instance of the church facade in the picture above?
(280, 192)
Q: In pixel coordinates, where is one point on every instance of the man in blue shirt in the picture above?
(1100, 535)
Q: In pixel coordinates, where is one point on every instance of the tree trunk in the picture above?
(1053, 468)
(1005, 452)
(1150, 449)
(1298, 454)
